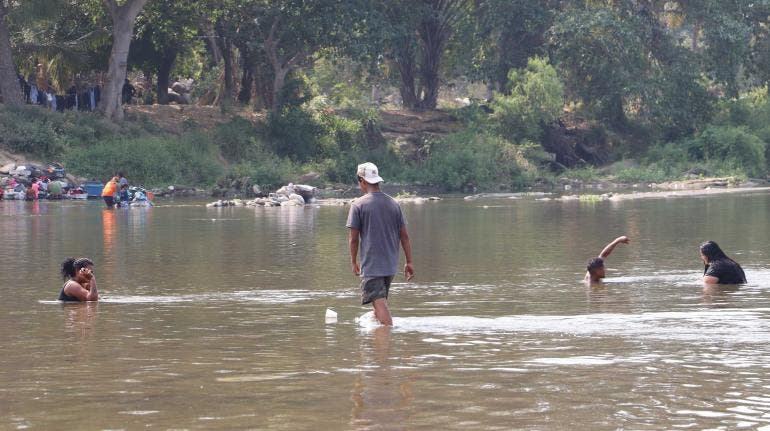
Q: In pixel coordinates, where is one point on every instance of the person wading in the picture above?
(377, 226)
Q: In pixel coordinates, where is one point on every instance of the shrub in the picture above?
(732, 146)
(152, 161)
(339, 134)
(294, 133)
(270, 172)
(237, 140)
(476, 160)
(651, 174)
(536, 99)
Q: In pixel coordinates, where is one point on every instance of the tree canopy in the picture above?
(661, 63)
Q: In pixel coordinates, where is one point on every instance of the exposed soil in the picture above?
(176, 118)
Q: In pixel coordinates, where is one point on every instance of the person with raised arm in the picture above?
(595, 270)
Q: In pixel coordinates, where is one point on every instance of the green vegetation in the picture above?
(623, 91)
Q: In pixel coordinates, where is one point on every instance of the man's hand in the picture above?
(408, 271)
(611, 246)
(356, 269)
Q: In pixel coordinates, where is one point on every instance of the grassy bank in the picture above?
(486, 153)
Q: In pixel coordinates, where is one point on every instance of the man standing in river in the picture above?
(377, 226)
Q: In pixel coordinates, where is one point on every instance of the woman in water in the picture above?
(719, 269)
(81, 283)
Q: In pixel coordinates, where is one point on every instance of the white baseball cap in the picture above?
(368, 171)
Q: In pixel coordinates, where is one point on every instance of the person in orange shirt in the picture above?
(109, 191)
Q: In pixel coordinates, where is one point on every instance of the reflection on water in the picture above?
(80, 318)
(214, 319)
(382, 396)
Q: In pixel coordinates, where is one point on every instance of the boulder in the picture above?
(175, 97)
(7, 169)
(297, 198)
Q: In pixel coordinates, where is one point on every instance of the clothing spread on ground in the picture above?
(726, 270)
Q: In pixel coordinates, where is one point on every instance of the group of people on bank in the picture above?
(377, 230)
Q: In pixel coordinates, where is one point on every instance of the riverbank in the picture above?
(235, 155)
(610, 191)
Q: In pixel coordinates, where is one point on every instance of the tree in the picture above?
(67, 38)
(123, 19)
(164, 31)
(602, 56)
(720, 32)
(293, 31)
(509, 32)
(414, 36)
(9, 85)
(535, 102)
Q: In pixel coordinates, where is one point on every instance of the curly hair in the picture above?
(71, 266)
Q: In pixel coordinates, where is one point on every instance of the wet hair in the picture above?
(712, 251)
(71, 266)
(595, 263)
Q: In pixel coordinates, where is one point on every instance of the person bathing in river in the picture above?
(81, 282)
(595, 271)
(719, 269)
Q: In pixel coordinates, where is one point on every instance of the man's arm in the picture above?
(611, 246)
(407, 246)
(353, 237)
(710, 279)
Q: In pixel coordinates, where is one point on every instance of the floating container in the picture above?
(94, 189)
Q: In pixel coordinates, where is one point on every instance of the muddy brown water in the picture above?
(214, 319)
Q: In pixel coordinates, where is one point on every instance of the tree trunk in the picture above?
(164, 72)
(123, 19)
(279, 80)
(432, 39)
(226, 50)
(247, 78)
(263, 83)
(9, 84)
(147, 87)
(281, 64)
(409, 98)
(211, 42)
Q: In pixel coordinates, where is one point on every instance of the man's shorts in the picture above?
(375, 288)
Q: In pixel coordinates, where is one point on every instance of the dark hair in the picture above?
(595, 263)
(71, 266)
(712, 251)
(120, 173)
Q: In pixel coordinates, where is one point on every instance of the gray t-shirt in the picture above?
(379, 219)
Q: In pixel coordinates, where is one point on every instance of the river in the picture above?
(213, 318)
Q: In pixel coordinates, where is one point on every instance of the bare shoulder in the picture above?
(73, 283)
